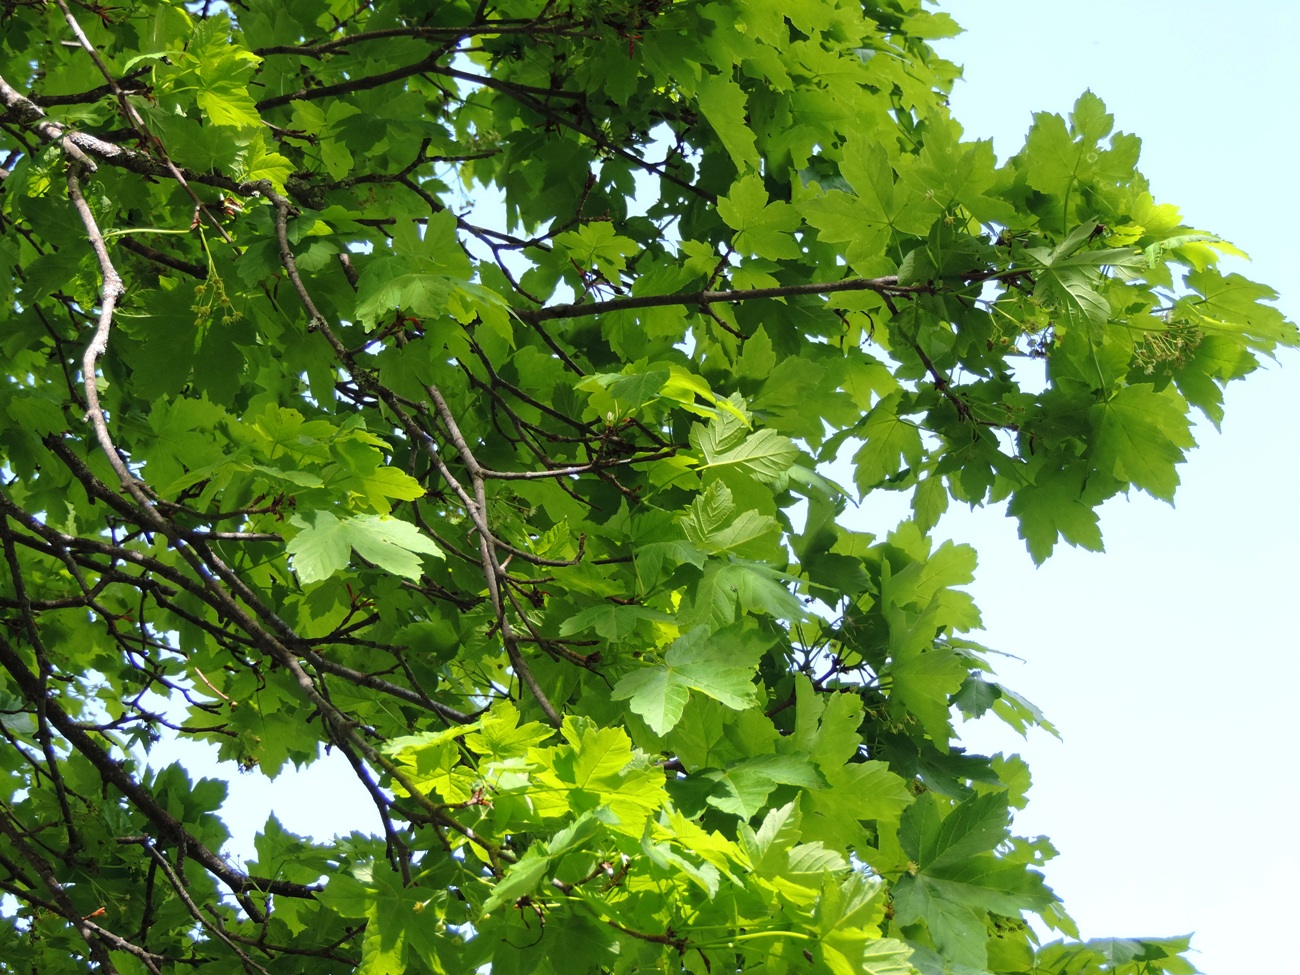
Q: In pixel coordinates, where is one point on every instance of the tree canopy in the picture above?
(486, 392)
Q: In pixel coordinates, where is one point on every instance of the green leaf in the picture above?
(428, 277)
(762, 228)
(736, 586)
(723, 103)
(719, 665)
(597, 245)
(888, 441)
(1235, 305)
(869, 956)
(389, 482)
(1054, 507)
(776, 836)
(347, 896)
(258, 162)
(1053, 159)
(977, 825)
(708, 522)
(324, 546)
(218, 72)
(748, 784)
(922, 683)
(612, 621)
(1140, 436)
(522, 878)
(957, 879)
(766, 455)
(929, 502)
(708, 512)
(856, 794)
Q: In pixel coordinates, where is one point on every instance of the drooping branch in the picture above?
(531, 98)
(362, 679)
(215, 927)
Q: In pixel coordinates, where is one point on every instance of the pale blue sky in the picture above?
(1170, 662)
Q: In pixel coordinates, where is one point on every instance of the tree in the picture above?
(460, 387)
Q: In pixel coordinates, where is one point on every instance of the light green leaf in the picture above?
(719, 665)
(922, 683)
(657, 694)
(260, 162)
(748, 784)
(1052, 507)
(522, 878)
(741, 585)
(708, 512)
(324, 546)
(612, 621)
(1235, 304)
(389, 482)
(766, 455)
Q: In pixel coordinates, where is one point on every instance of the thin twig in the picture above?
(217, 929)
(883, 285)
(136, 120)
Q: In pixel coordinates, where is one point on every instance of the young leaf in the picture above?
(324, 546)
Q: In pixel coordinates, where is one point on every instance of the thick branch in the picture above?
(165, 259)
(86, 148)
(110, 292)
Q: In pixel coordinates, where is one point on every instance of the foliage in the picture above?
(459, 387)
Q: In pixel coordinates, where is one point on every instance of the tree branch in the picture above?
(494, 28)
(114, 773)
(43, 870)
(884, 285)
(82, 147)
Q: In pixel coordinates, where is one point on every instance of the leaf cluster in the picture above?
(466, 388)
